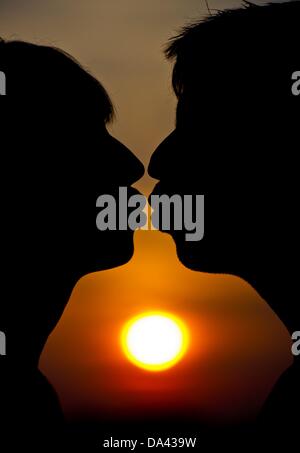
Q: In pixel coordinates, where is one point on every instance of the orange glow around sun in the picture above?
(155, 341)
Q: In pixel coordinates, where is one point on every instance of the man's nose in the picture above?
(126, 167)
(162, 158)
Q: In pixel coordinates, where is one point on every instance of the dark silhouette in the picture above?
(56, 159)
(236, 136)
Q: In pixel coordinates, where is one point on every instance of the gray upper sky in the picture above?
(121, 42)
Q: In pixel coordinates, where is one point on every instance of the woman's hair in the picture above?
(46, 72)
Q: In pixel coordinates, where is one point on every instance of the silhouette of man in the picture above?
(237, 131)
(57, 158)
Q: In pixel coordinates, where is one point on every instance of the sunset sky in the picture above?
(239, 346)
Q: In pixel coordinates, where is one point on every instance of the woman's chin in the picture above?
(117, 250)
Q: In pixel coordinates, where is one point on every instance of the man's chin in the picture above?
(185, 252)
(192, 254)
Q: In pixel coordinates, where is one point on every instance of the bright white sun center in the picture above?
(154, 341)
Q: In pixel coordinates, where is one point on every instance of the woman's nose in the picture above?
(123, 166)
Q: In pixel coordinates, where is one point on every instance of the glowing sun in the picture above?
(154, 341)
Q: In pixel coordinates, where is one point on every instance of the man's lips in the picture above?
(114, 191)
(164, 189)
(160, 189)
(131, 191)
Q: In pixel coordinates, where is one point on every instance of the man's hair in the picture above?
(267, 35)
(44, 72)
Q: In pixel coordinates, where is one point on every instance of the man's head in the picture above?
(236, 123)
